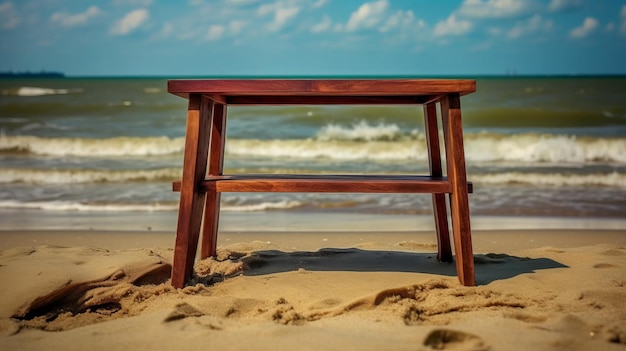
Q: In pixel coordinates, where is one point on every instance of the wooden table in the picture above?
(203, 180)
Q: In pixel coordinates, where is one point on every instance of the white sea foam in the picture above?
(138, 207)
(361, 131)
(613, 179)
(76, 176)
(524, 148)
(120, 146)
(42, 126)
(14, 120)
(37, 91)
(152, 90)
(534, 148)
(334, 149)
(85, 207)
(483, 147)
(263, 206)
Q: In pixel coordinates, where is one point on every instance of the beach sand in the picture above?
(97, 290)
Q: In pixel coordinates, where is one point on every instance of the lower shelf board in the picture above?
(325, 183)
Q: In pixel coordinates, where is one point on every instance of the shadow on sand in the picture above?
(488, 267)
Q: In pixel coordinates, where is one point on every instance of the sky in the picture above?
(313, 37)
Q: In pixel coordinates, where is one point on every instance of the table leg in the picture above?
(199, 113)
(216, 166)
(444, 253)
(459, 206)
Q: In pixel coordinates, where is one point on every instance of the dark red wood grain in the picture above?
(272, 88)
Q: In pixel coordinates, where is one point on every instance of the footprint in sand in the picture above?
(614, 252)
(447, 339)
(604, 265)
(183, 310)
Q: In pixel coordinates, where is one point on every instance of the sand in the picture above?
(537, 290)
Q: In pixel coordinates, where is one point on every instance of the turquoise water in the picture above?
(535, 147)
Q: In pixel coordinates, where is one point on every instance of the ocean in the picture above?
(101, 153)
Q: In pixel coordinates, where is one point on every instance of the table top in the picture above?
(321, 91)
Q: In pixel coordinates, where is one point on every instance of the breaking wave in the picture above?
(38, 91)
(119, 146)
(360, 142)
(524, 148)
(86, 207)
(363, 131)
(138, 207)
(77, 176)
(613, 179)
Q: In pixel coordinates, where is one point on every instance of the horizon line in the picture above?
(47, 74)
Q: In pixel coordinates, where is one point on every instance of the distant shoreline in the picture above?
(200, 76)
(42, 74)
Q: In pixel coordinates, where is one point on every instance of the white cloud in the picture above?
(282, 11)
(495, 31)
(215, 32)
(532, 25)
(452, 26)
(282, 16)
(69, 20)
(496, 8)
(209, 23)
(561, 5)
(240, 2)
(188, 34)
(367, 16)
(265, 9)
(8, 16)
(401, 20)
(588, 26)
(130, 22)
(166, 30)
(235, 26)
(322, 26)
(319, 3)
(143, 3)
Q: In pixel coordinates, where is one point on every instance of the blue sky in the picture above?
(314, 37)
